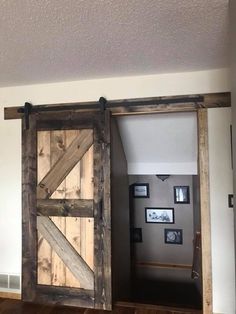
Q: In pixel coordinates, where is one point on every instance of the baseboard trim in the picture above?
(10, 295)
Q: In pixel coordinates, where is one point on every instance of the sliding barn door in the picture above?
(66, 209)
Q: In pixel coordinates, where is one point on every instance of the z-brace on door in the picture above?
(66, 209)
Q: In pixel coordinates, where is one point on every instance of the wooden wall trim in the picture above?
(203, 164)
(10, 295)
(163, 265)
(162, 309)
(137, 106)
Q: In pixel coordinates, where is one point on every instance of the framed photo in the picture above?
(231, 200)
(181, 195)
(141, 190)
(159, 215)
(136, 235)
(173, 236)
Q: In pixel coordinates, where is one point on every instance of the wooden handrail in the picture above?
(196, 256)
(163, 265)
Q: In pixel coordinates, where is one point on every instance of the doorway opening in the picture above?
(161, 152)
(165, 251)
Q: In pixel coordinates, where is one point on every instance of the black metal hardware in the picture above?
(102, 102)
(27, 110)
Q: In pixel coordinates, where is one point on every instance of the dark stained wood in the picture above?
(102, 219)
(106, 212)
(65, 296)
(120, 216)
(65, 164)
(65, 208)
(142, 105)
(66, 252)
(29, 183)
(156, 309)
(203, 170)
(18, 307)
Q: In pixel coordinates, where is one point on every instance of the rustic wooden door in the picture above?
(66, 209)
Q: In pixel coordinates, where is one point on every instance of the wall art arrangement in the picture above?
(136, 235)
(140, 190)
(173, 236)
(181, 195)
(162, 215)
(159, 215)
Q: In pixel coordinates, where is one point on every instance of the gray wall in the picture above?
(153, 247)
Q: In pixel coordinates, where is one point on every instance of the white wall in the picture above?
(170, 150)
(222, 217)
(116, 88)
(232, 10)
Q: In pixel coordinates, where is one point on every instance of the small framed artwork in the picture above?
(173, 236)
(181, 195)
(141, 190)
(136, 235)
(231, 200)
(159, 215)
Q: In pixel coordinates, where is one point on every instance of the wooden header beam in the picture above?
(133, 106)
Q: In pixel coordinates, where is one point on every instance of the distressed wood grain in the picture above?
(66, 252)
(44, 250)
(65, 207)
(65, 164)
(29, 236)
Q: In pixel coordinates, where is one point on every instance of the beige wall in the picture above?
(232, 9)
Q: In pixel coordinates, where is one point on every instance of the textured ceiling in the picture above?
(61, 40)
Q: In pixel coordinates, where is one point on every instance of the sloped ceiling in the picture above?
(160, 144)
(62, 40)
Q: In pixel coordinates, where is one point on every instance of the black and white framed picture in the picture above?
(159, 215)
(173, 236)
(136, 235)
(140, 190)
(181, 195)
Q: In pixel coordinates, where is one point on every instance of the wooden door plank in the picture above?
(87, 225)
(65, 164)
(102, 218)
(65, 296)
(29, 237)
(73, 192)
(65, 207)
(203, 164)
(57, 149)
(73, 179)
(44, 249)
(66, 252)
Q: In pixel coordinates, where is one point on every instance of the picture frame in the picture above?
(136, 235)
(173, 236)
(159, 215)
(140, 190)
(231, 200)
(181, 194)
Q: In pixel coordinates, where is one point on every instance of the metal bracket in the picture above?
(102, 102)
(26, 110)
